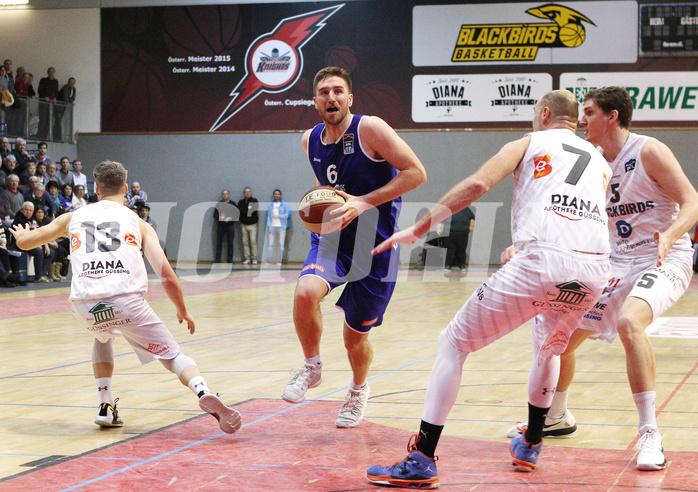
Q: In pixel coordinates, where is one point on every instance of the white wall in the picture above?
(67, 40)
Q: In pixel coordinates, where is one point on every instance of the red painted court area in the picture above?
(282, 447)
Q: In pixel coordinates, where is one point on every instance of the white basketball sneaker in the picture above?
(228, 418)
(564, 426)
(108, 415)
(303, 379)
(352, 412)
(651, 455)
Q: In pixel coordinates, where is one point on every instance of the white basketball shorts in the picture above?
(660, 287)
(131, 316)
(544, 280)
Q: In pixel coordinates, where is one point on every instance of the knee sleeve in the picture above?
(103, 352)
(178, 364)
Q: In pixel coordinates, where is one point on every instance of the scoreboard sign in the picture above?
(669, 29)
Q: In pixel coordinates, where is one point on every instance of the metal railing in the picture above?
(38, 120)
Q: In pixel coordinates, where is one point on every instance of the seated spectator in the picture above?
(66, 198)
(135, 195)
(78, 194)
(43, 255)
(3, 178)
(41, 173)
(12, 197)
(28, 173)
(65, 175)
(55, 198)
(4, 147)
(41, 156)
(21, 154)
(144, 213)
(9, 165)
(58, 247)
(40, 199)
(9, 263)
(51, 174)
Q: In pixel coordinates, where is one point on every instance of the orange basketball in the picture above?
(315, 208)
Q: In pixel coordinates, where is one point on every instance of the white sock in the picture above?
(315, 362)
(559, 405)
(353, 386)
(197, 384)
(104, 390)
(645, 403)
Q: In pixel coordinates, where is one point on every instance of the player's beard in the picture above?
(336, 118)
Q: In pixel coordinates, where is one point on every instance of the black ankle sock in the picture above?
(428, 438)
(536, 420)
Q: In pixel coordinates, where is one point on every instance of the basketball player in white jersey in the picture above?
(106, 293)
(651, 207)
(559, 225)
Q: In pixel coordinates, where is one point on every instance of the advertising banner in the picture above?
(525, 33)
(470, 98)
(657, 96)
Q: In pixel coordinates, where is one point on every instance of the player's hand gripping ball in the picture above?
(315, 208)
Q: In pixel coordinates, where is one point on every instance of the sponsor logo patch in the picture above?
(75, 241)
(369, 322)
(541, 166)
(130, 239)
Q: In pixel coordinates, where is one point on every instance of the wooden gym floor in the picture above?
(245, 345)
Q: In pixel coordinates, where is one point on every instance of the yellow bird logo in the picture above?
(572, 32)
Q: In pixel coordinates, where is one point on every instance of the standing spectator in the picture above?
(456, 242)
(43, 255)
(8, 71)
(78, 177)
(65, 175)
(40, 155)
(78, 197)
(225, 214)
(7, 83)
(66, 96)
(278, 220)
(66, 198)
(144, 213)
(21, 154)
(12, 197)
(249, 223)
(136, 196)
(48, 93)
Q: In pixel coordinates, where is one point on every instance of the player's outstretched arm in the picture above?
(662, 166)
(27, 239)
(464, 193)
(156, 256)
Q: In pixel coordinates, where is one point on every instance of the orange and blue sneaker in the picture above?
(416, 471)
(525, 454)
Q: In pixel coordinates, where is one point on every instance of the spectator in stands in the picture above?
(65, 96)
(40, 199)
(43, 255)
(41, 173)
(66, 198)
(21, 154)
(144, 213)
(78, 197)
(12, 197)
(6, 279)
(51, 175)
(48, 92)
(3, 178)
(8, 71)
(5, 219)
(4, 147)
(78, 177)
(40, 155)
(135, 195)
(249, 222)
(52, 190)
(30, 90)
(65, 175)
(58, 247)
(29, 172)
(225, 214)
(10, 165)
(278, 220)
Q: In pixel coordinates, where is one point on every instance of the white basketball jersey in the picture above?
(105, 252)
(637, 206)
(560, 193)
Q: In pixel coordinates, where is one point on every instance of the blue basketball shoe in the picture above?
(417, 471)
(525, 455)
